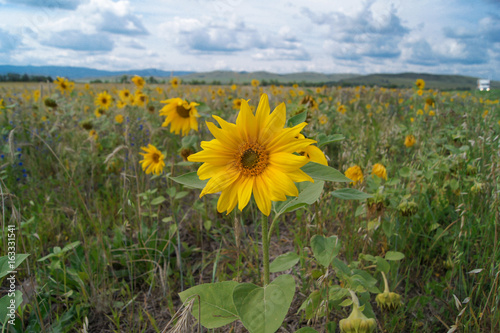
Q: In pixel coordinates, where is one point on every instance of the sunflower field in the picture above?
(138, 207)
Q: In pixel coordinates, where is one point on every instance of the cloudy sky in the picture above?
(282, 36)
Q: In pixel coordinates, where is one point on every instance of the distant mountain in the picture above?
(407, 80)
(75, 73)
(225, 77)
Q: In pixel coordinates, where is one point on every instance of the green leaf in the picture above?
(191, 180)
(306, 330)
(404, 172)
(324, 140)
(383, 265)
(158, 200)
(323, 172)
(263, 309)
(7, 301)
(325, 249)
(284, 262)
(394, 256)
(297, 119)
(350, 194)
(341, 268)
(5, 267)
(307, 196)
(217, 308)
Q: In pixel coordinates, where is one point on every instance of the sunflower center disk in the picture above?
(252, 159)
(182, 111)
(156, 158)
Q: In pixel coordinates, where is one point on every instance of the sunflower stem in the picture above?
(265, 248)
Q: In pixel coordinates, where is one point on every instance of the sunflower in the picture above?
(119, 118)
(36, 95)
(341, 109)
(103, 100)
(255, 83)
(313, 153)
(355, 174)
(420, 84)
(180, 114)
(254, 156)
(175, 82)
(64, 85)
(237, 103)
(410, 141)
(124, 95)
(154, 160)
(138, 81)
(93, 135)
(140, 98)
(380, 171)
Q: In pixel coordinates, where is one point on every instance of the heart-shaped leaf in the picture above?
(216, 301)
(263, 309)
(325, 249)
(284, 262)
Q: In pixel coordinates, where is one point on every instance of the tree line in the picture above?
(14, 77)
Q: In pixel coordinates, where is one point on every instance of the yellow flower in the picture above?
(380, 171)
(420, 112)
(103, 100)
(2, 104)
(154, 160)
(255, 83)
(237, 103)
(234, 87)
(140, 99)
(64, 85)
(119, 118)
(341, 108)
(93, 135)
(36, 95)
(99, 112)
(120, 104)
(175, 82)
(485, 113)
(313, 153)
(355, 174)
(412, 119)
(432, 113)
(323, 119)
(87, 86)
(409, 141)
(138, 81)
(124, 95)
(180, 114)
(254, 156)
(420, 92)
(420, 84)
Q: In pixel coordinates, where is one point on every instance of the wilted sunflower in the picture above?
(254, 156)
(355, 174)
(103, 100)
(420, 84)
(175, 82)
(138, 81)
(64, 85)
(154, 160)
(180, 114)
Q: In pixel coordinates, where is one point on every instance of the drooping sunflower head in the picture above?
(181, 115)
(355, 174)
(256, 156)
(379, 171)
(153, 161)
(410, 141)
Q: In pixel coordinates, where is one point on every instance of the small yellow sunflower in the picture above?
(124, 95)
(175, 82)
(355, 174)
(154, 160)
(36, 95)
(180, 114)
(254, 156)
(93, 135)
(237, 103)
(341, 109)
(410, 141)
(380, 171)
(119, 118)
(103, 100)
(255, 83)
(138, 81)
(140, 98)
(420, 84)
(64, 85)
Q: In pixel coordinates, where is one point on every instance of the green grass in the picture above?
(134, 241)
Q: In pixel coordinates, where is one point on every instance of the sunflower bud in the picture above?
(357, 322)
(388, 300)
(408, 208)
